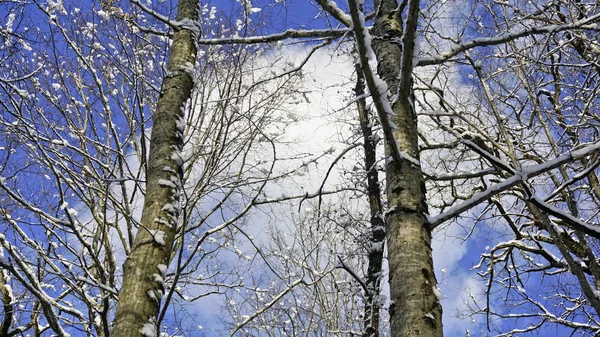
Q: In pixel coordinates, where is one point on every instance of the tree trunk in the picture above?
(415, 309)
(377, 237)
(145, 267)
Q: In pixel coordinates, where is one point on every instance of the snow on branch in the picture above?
(335, 161)
(408, 47)
(477, 199)
(24, 203)
(573, 222)
(271, 304)
(587, 23)
(343, 265)
(303, 197)
(155, 14)
(522, 175)
(377, 87)
(581, 175)
(332, 8)
(28, 278)
(288, 34)
(192, 25)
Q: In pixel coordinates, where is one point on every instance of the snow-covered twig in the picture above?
(332, 8)
(270, 304)
(520, 176)
(355, 276)
(573, 222)
(288, 34)
(338, 158)
(581, 175)
(507, 37)
(155, 14)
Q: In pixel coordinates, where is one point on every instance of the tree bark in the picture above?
(415, 309)
(377, 235)
(145, 267)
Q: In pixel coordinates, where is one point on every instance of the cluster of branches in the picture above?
(78, 97)
(531, 107)
(479, 115)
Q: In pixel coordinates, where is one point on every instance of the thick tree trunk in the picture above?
(415, 309)
(144, 269)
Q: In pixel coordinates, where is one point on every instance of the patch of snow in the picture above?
(162, 269)
(437, 293)
(61, 142)
(166, 183)
(158, 278)
(158, 236)
(149, 328)
(22, 93)
(376, 247)
(155, 295)
(181, 122)
(169, 208)
(10, 22)
(103, 14)
(169, 169)
(335, 7)
(177, 158)
(162, 221)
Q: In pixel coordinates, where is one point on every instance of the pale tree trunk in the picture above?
(143, 271)
(8, 302)
(415, 309)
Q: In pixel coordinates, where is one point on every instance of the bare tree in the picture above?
(487, 111)
(151, 251)
(484, 138)
(75, 163)
(530, 115)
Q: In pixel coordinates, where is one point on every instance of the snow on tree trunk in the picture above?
(415, 309)
(143, 271)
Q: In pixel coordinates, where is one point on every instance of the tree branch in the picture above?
(520, 176)
(588, 23)
(288, 34)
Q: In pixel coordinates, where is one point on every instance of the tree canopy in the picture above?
(315, 168)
